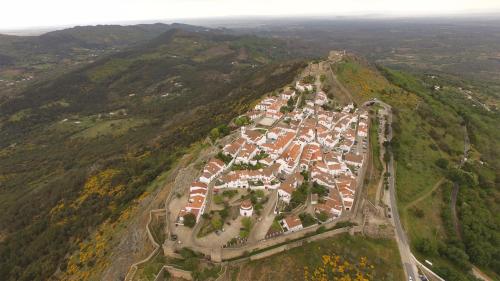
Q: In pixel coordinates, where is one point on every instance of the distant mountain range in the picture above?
(66, 42)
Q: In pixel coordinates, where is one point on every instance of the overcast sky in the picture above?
(41, 13)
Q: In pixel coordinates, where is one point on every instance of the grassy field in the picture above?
(375, 168)
(289, 265)
(415, 171)
(428, 126)
(110, 128)
(148, 270)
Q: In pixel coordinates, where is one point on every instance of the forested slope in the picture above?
(75, 151)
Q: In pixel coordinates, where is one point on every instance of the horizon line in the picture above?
(367, 16)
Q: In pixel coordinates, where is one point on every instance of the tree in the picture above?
(218, 199)
(223, 157)
(216, 222)
(224, 213)
(247, 226)
(189, 220)
(247, 223)
(224, 130)
(425, 246)
(214, 134)
(299, 196)
(242, 120)
(442, 163)
(319, 189)
(322, 216)
(307, 219)
(260, 193)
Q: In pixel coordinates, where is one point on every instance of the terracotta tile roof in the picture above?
(311, 152)
(196, 201)
(246, 204)
(355, 158)
(332, 157)
(293, 221)
(197, 191)
(247, 150)
(233, 147)
(253, 135)
(292, 153)
(280, 143)
(287, 186)
(198, 184)
(333, 201)
(213, 167)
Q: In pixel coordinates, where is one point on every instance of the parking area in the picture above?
(218, 239)
(266, 121)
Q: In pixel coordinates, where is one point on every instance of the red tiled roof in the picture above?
(246, 204)
(356, 158)
(293, 221)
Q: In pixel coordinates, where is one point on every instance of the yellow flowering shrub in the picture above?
(335, 268)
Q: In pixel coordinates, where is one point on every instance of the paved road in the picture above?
(407, 259)
(267, 218)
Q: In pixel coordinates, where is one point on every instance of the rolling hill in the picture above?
(431, 125)
(76, 150)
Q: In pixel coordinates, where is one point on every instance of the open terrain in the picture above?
(99, 124)
(428, 147)
(292, 264)
(78, 150)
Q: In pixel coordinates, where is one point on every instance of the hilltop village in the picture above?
(292, 141)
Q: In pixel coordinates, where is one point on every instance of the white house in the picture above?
(246, 208)
(211, 170)
(289, 160)
(233, 148)
(287, 94)
(196, 206)
(285, 191)
(265, 103)
(198, 188)
(252, 136)
(292, 223)
(300, 86)
(247, 152)
(321, 98)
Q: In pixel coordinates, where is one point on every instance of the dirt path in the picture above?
(454, 195)
(425, 195)
(338, 84)
(456, 186)
(479, 274)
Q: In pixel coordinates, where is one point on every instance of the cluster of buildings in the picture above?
(308, 140)
(199, 188)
